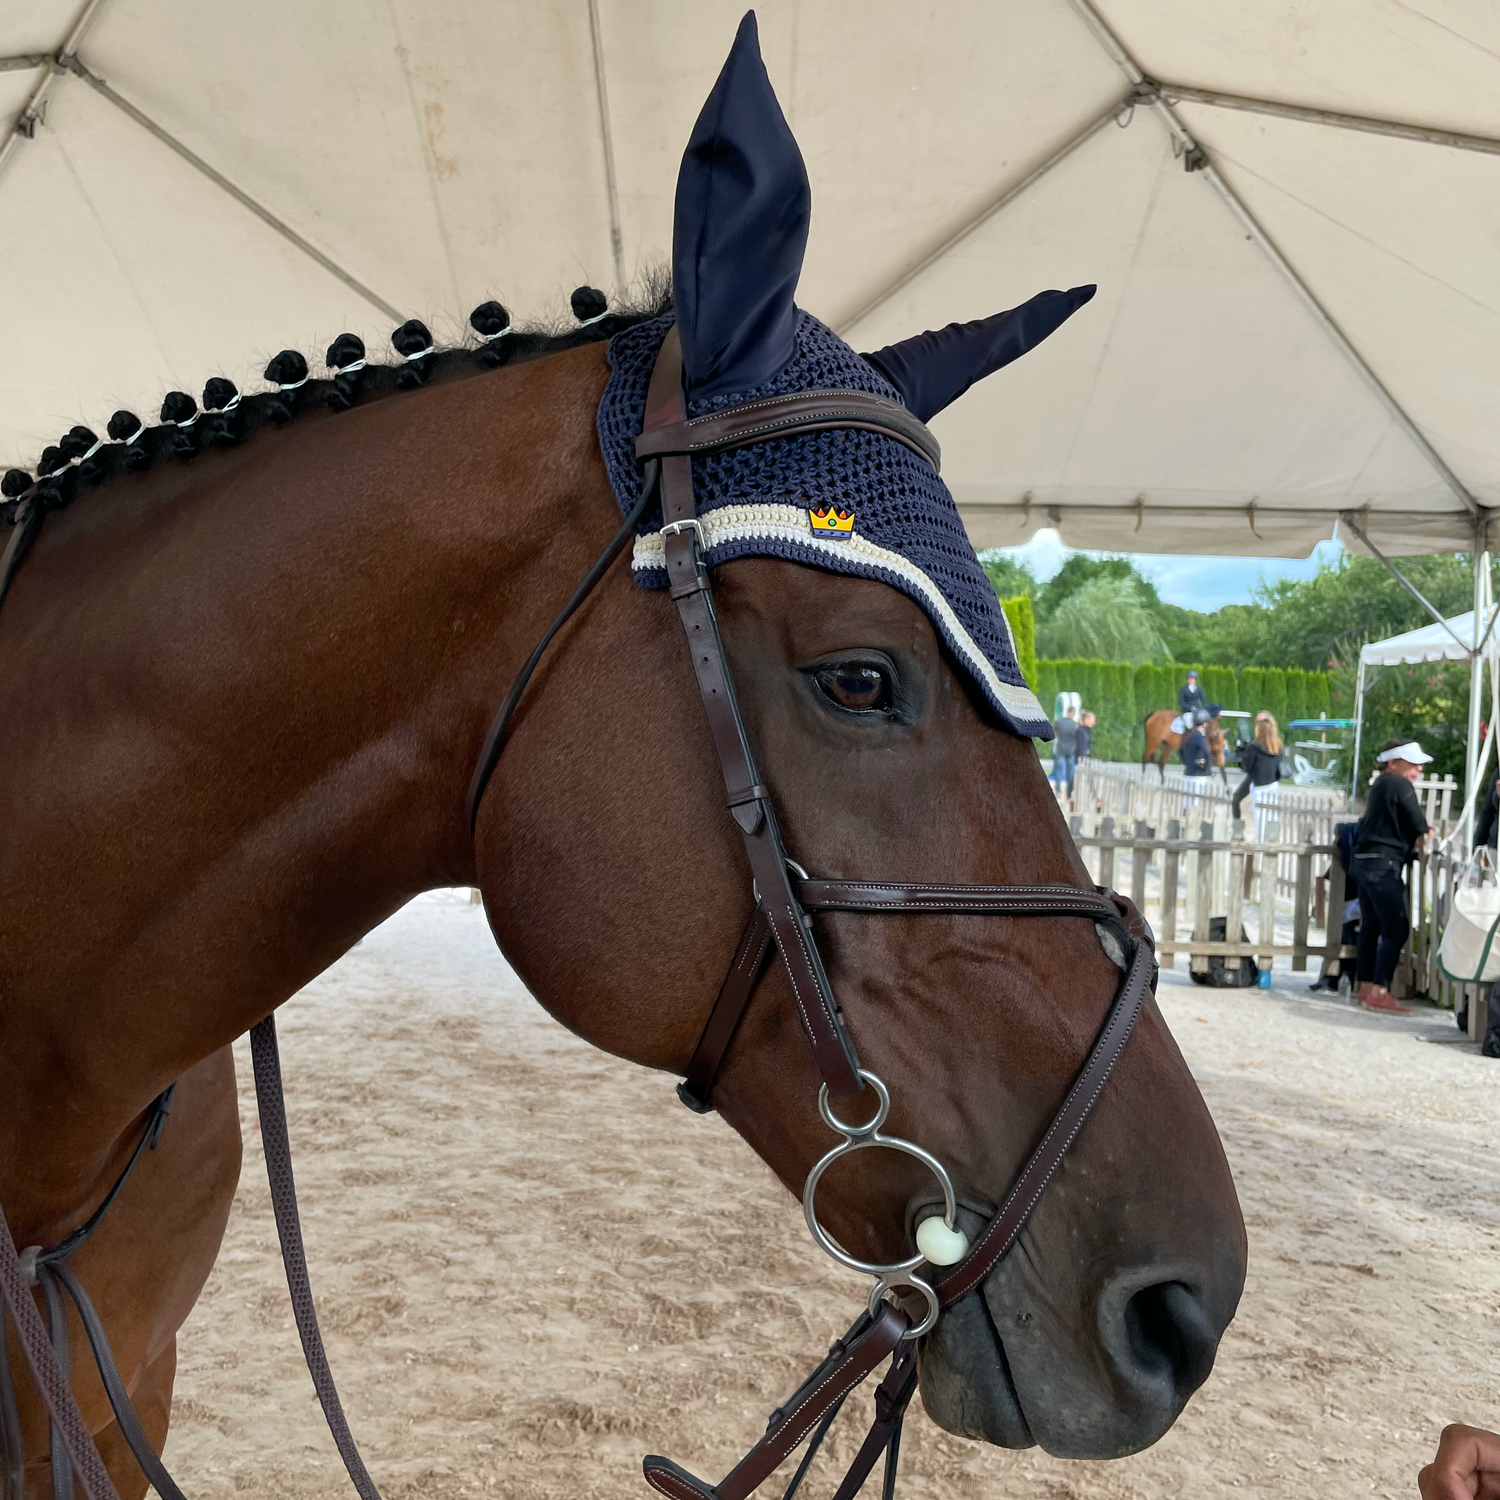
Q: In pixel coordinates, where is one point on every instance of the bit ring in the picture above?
(860, 1138)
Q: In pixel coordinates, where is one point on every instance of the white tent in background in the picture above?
(1289, 209)
(1468, 637)
(1453, 640)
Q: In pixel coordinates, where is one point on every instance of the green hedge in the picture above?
(1221, 686)
(1122, 696)
(1023, 627)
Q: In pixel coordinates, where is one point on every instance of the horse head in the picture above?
(893, 747)
(1213, 732)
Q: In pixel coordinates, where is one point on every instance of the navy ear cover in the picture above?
(739, 231)
(934, 369)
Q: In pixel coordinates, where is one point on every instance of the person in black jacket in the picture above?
(1261, 762)
(1389, 832)
(1194, 752)
(1086, 723)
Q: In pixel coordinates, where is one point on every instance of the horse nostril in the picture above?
(1170, 1334)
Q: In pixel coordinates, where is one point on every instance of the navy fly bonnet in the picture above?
(847, 501)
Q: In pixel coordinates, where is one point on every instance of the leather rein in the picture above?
(785, 899)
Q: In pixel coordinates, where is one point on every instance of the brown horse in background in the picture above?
(1163, 741)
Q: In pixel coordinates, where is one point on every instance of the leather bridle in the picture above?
(785, 899)
(782, 916)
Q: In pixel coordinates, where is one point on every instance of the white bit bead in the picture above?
(942, 1246)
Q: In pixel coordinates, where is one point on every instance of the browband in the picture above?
(788, 416)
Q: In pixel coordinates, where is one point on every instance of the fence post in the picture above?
(1303, 900)
(1333, 922)
(1139, 858)
(1269, 860)
(1204, 896)
(1169, 871)
(1234, 907)
(1107, 854)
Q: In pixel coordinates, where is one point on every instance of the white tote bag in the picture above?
(1470, 950)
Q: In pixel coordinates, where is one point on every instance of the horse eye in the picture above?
(858, 687)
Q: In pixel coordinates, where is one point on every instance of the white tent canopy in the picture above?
(1468, 638)
(1452, 641)
(1290, 211)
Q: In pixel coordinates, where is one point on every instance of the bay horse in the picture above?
(1162, 741)
(242, 693)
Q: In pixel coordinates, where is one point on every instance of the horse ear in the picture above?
(739, 231)
(934, 369)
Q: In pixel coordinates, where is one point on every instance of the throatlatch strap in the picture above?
(748, 801)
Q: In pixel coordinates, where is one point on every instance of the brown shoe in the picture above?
(1377, 997)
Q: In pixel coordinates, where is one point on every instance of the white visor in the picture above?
(1411, 751)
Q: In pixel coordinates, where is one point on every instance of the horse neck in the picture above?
(239, 710)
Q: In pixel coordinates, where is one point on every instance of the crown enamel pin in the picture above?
(832, 520)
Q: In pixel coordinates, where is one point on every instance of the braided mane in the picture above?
(81, 461)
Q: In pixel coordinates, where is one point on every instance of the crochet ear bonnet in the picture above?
(846, 501)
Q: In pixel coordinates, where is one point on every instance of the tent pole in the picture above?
(1359, 728)
(1476, 682)
(240, 196)
(34, 111)
(1183, 93)
(909, 273)
(607, 137)
(1196, 160)
(1351, 521)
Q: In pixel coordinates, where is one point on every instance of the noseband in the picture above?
(944, 1266)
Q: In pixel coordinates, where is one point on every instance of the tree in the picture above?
(1079, 569)
(1105, 619)
(1008, 577)
(1323, 620)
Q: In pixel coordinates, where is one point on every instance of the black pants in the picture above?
(1383, 923)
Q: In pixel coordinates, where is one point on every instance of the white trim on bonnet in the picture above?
(789, 523)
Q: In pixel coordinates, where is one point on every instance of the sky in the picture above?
(1190, 582)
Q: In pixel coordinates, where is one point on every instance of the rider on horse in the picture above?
(1190, 699)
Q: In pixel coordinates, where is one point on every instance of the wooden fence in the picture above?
(1303, 814)
(1285, 895)
(1131, 794)
(1181, 883)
